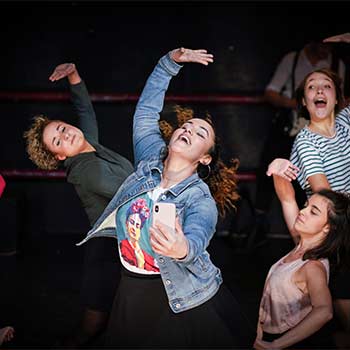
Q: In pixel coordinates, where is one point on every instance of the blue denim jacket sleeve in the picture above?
(147, 137)
(199, 226)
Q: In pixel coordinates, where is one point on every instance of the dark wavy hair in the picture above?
(300, 92)
(221, 179)
(139, 207)
(336, 245)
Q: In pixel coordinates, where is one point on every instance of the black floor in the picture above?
(40, 297)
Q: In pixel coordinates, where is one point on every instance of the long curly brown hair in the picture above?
(36, 149)
(221, 179)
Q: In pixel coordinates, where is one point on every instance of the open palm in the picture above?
(183, 55)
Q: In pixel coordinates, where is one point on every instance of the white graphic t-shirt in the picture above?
(133, 221)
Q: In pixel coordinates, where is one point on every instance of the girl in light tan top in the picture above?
(296, 301)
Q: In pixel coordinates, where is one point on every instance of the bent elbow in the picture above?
(328, 315)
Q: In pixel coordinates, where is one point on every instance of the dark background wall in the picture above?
(115, 46)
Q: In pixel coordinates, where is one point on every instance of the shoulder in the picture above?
(313, 268)
(288, 56)
(198, 198)
(304, 137)
(199, 195)
(344, 115)
(304, 133)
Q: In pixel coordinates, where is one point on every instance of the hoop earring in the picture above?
(204, 174)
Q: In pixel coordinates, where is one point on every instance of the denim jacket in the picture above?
(193, 280)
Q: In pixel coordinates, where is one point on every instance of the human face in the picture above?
(313, 218)
(63, 140)
(319, 96)
(133, 226)
(193, 140)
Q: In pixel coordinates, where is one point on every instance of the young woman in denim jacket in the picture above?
(184, 303)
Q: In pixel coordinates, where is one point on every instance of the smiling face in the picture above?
(63, 140)
(319, 96)
(313, 218)
(193, 141)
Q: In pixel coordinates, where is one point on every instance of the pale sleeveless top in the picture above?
(283, 305)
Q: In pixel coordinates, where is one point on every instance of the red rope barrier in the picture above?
(116, 97)
(113, 98)
(60, 174)
(32, 174)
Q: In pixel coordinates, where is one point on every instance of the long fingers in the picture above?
(289, 175)
(202, 57)
(159, 242)
(196, 56)
(62, 71)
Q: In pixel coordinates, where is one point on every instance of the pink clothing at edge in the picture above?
(283, 304)
(2, 185)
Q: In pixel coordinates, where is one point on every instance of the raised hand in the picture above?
(284, 168)
(166, 243)
(183, 55)
(63, 70)
(345, 38)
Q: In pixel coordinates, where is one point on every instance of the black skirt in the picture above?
(141, 318)
(101, 273)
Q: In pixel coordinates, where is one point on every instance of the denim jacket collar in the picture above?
(158, 167)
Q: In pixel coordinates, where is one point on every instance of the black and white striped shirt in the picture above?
(314, 154)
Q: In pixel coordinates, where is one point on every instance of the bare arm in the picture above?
(284, 172)
(278, 100)
(340, 38)
(318, 182)
(321, 313)
(286, 194)
(321, 301)
(345, 38)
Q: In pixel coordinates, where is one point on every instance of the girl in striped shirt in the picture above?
(321, 155)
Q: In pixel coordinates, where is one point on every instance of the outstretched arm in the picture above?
(183, 55)
(340, 38)
(279, 79)
(344, 38)
(283, 172)
(147, 138)
(64, 70)
(80, 98)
